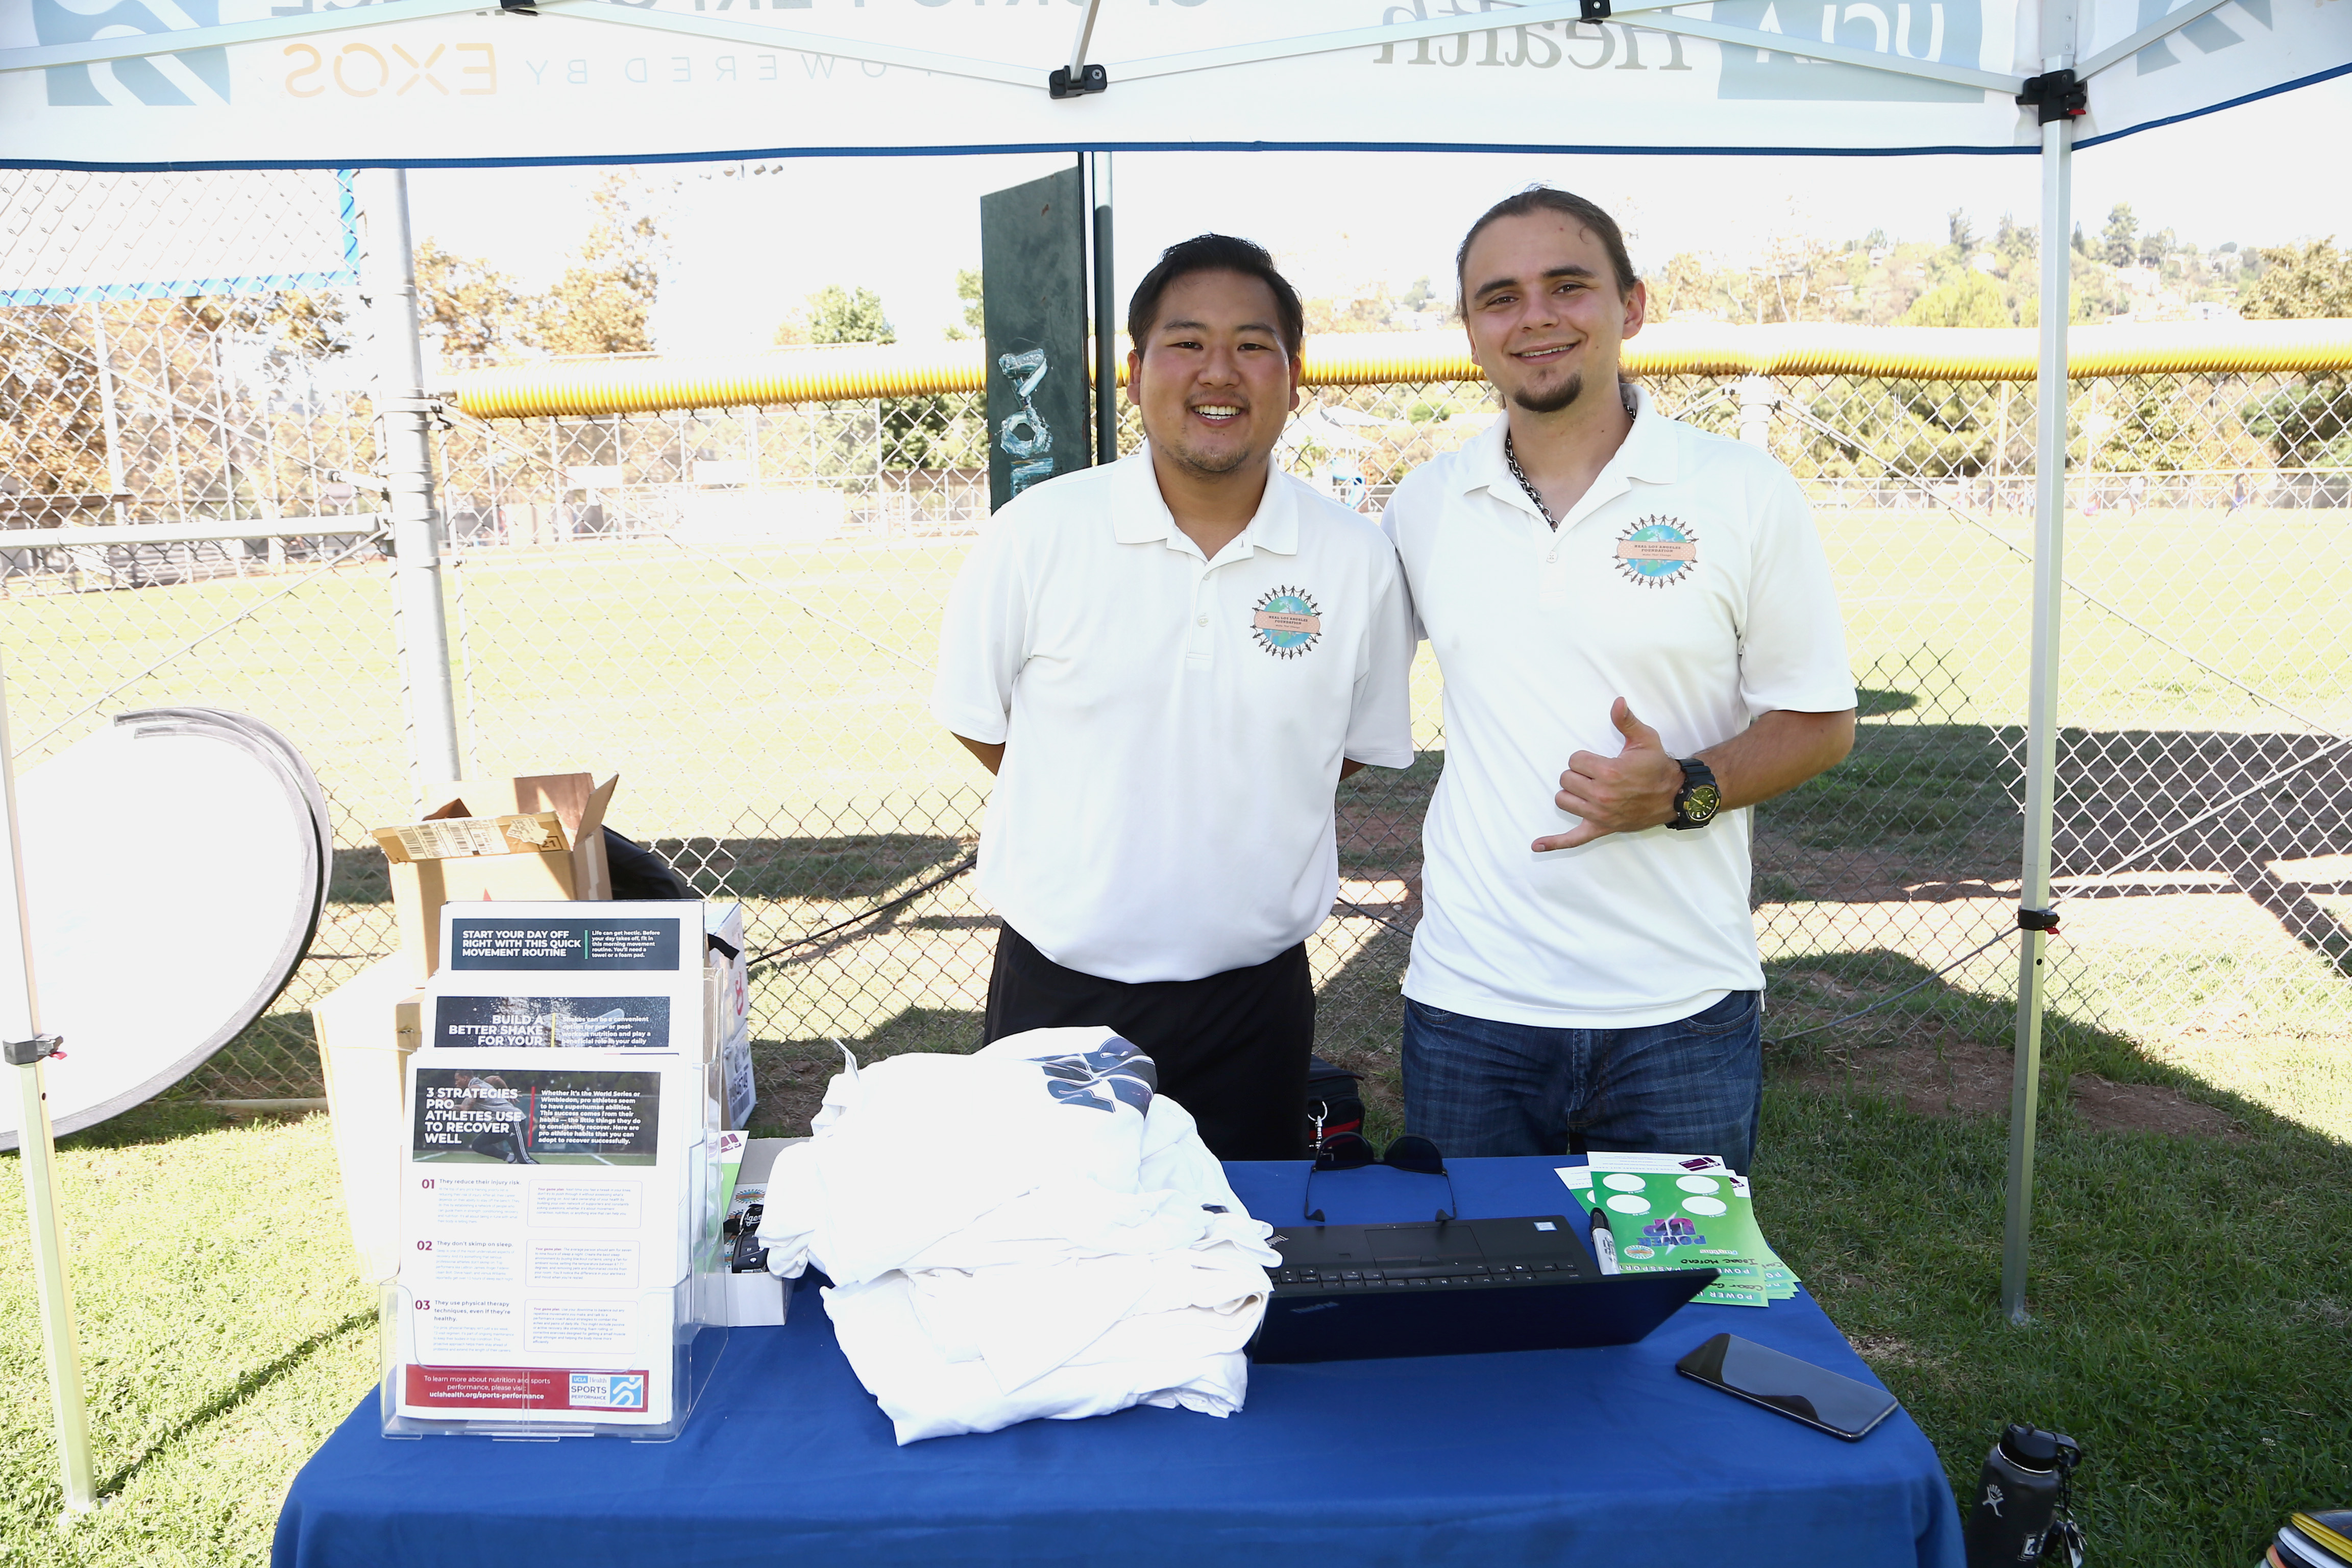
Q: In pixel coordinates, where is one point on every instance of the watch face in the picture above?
(1702, 802)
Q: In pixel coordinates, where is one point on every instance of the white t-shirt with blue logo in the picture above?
(1080, 1255)
(1172, 726)
(1689, 580)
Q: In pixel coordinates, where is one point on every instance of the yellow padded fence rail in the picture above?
(577, 388)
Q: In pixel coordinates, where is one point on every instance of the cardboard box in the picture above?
(534, 837)
(366, 1029)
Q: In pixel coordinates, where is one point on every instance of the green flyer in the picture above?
(1669, 1212)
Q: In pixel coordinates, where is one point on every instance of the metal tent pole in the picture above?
(1106, 321)
(28, 1049)
(391, 284)
(2042, 716)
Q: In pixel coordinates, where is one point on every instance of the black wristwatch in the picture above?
(1700, 797)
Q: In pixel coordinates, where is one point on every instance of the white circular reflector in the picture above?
(175, 866)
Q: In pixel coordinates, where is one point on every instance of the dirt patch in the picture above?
(1886, 1349)
(2150, 1108)
(1963, 1078)
(1387, 840)
(1872, 875)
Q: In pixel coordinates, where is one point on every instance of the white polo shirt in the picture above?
(1172, 726)
(1689, 580)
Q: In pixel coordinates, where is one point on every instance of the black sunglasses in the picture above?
(1353, 1151)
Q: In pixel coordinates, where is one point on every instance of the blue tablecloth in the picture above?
(1588, 1457)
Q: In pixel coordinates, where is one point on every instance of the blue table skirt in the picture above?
(1589, 1456)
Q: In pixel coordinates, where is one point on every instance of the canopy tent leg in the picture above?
(390, 279)
(1105, 319)
(20, 1024)
(2050, 389)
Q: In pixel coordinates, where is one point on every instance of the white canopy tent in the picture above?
(398, 84)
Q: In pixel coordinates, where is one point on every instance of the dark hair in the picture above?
(1215, 253)
(1543, 198)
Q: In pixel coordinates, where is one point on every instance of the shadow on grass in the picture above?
(235, 1394)
(1927, 807)
(2172, 1332)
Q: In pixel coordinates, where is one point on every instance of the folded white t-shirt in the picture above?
(1027, 1231)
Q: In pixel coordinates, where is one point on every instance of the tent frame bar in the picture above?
(2123, 48)
(36, 1152)
(2036, 922)
(388, 273)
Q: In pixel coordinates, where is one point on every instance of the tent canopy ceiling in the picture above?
(91, 83)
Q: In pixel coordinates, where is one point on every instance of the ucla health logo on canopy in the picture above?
(180, 80)
(1948, 32)
(1287, 623)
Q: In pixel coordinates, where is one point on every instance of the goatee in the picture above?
(1552, 402)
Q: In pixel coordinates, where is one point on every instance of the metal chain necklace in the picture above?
(1511, 457)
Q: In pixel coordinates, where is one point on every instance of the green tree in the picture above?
(838, 315)
(2017, 244)
(2309, 425)
(1970, 300)
(2119, 241)
(2158, 425)
(2300, 282)
(53, 441)
(466, 308)
(604, 303)
(916, 432)
(975, 315)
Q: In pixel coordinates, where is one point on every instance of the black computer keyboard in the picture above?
(1394, 1275)
(1462, 1253)
(1350, 1291)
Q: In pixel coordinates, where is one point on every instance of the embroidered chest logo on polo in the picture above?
(1286, 623)
(1657, 552)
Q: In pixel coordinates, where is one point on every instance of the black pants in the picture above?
(1230, 1048)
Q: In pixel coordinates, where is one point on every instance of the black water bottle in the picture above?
(2022, 1513)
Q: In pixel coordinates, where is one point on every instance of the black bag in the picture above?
(639, 873)
(1333, 1104)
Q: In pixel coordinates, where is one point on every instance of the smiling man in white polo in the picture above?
(1170, 662)
(1639, 640)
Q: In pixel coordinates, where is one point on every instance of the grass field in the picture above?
(765, 712)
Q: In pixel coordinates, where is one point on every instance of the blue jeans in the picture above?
(1474, 1086)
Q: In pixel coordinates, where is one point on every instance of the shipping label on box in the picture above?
(500, 840)
(461, 838)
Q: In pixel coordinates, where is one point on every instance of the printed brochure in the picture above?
(1684, 1211)
(542, 1233)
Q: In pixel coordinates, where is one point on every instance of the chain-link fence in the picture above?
(736, 611)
